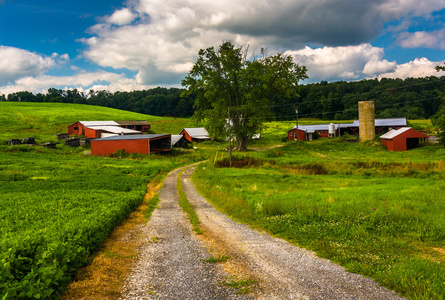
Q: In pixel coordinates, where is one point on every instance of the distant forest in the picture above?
(413, 98)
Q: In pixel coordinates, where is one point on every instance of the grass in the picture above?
(242, 284)
(217, 259)
(188, 207)
(103, 278)
(58, 206)
(377, 213)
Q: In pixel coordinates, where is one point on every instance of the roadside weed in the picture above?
(217, 259)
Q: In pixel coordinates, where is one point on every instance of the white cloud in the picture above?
(16, 63)
(420, 67)
(82, 81)
(434, 39)
(394, 9)
(375, 67)
(164, 43)
(342, 63)
(122, 17)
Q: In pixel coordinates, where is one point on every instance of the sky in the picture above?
(141, 44)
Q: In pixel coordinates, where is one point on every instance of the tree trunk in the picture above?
(241, 143)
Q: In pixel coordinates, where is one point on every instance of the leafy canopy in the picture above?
(229, 86)
(439, 118)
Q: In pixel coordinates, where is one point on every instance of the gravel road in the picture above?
(170, 263)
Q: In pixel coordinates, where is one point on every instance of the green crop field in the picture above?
(58, 205)
(375, 212)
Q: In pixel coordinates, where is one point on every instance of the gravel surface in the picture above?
(170, 266)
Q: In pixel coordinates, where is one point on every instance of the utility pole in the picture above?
(296, 112)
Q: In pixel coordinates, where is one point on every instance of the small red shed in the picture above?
(292, 134)
(403, 139)
(141, 143)
(199, 134)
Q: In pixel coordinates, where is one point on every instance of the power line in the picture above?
(354, 95)
(346, 110)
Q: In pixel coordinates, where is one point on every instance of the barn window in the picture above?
(76, 128)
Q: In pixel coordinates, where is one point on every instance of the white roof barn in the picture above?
(195, 134)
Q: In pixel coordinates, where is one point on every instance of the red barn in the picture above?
(141, 143)
(195, 134)
(98, 129)
(292, 134)
(403, 139)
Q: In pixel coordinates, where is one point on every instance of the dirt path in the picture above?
(170, 264)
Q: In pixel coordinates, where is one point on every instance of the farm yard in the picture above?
(375, 212)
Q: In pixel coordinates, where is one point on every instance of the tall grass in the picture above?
(377, 213)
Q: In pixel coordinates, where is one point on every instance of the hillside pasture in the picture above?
(58, 205)
(44, 120)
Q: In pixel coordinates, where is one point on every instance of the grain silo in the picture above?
(332, 130)
(366, 117)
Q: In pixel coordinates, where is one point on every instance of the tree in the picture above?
(230, 87)
(439, 118)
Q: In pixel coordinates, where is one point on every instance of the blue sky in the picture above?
(139, 44)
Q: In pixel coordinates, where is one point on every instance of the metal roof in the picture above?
(386, 122)
(313, 128)
(134, 137)
(396, 122)
(115, 129)
(393, 133)
(132, 122)
(176, 138)
(98, 123)
(197, 133)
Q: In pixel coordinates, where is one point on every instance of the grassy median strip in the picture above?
(187, 206)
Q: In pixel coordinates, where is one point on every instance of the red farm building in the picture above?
(403, 139)
(142, 126)
(141, 143)
(195, 134)
(99, 129)
(310, 132)
(292, 134)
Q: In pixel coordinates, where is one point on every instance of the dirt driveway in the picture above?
(171, 262)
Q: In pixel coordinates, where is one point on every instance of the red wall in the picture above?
(92, 134)
(398, 143)
(87, 132)
(389, 144)
(187, 136)
(72, 131)
(291, 135)
(130, 146)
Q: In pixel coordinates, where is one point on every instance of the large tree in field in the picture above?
(229, 86)
(439, 118)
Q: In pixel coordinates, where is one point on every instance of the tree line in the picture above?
(413, 98)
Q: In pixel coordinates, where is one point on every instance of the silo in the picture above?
(332, 130)
(366, 117)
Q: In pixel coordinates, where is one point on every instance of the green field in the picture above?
(377, 213)
(58, 205)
